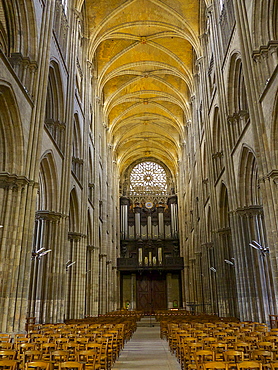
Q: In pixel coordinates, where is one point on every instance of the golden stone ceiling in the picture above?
(143, 54)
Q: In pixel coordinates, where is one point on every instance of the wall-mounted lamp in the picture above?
(41, 252)
(69, 264)
(229, 262)
(259, 247)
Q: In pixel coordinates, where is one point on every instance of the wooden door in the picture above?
(151, 292)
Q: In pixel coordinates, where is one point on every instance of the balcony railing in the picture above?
(132, 264)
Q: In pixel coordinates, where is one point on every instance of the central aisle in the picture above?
(146, 351)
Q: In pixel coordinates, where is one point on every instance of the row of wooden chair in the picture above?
(230, 343)
(95, 344)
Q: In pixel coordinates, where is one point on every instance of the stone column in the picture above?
(133, 292)
(102, 283)
(76, 277)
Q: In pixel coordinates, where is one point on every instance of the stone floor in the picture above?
(146, 351)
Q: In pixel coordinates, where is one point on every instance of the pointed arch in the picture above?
(48, 184)
(217, 150)
(237, 99)
(77, 162)
(18, 28)
(54, 109)
(90, 230)
(74, 224)
(224, 207)
(264, 22)
(274, 143)
(11, 158)
(248, 179)
(209, 226)
(238, 109)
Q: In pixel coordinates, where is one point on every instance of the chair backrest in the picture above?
(88, 356)
(215, 365)
(8, 364)
(48, 347)
(26, 347)
(5, 338)
(59, 355)
(265, 345)
(233, 356)
(32, 355)
(38, 365)
(262, 355)
(71, 365)
(203, 356)
(249, 365)
(7, 354)
(6, 345)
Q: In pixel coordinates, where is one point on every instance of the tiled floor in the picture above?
(146, 351)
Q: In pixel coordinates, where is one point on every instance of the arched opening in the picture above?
(54, 111)
(150, 259)
(44, 245)
(253, 254)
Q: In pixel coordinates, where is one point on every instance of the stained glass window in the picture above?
(148, 178)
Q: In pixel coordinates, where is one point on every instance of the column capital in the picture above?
(74, 236)
(48, 215)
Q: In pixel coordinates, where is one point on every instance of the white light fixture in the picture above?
(259, 247)
(69, 264)
(1, 226)
(45, 252)
(229, 262)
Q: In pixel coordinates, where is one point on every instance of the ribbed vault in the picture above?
(143, 52)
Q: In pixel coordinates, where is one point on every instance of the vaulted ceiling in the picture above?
(143, 52)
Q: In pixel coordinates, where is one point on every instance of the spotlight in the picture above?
(229, 262)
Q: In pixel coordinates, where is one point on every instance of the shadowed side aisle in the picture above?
(146, 350)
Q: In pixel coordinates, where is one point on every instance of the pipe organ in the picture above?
(148, 221)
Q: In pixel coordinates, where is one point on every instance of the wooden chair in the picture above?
(8, 354)
(82, 343)
(6, 345)
(19, 341)
(262, 356)
(8, 364)
(251, 365)
(68, 365)
(72, 347)
(207, 341)
(200, 357)
(39, 341)
(101, 357)
(219, 348)
(45, 365)
(58, 356)
(46, 349)
(243, 347)
(233, 356)
(5, 338)
(267, 346)
(60, 342)
(88, 357)
(215, 365)
(274, 365)
(23, 347)
(30, 356)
